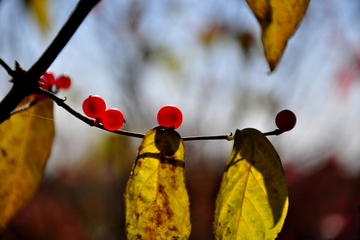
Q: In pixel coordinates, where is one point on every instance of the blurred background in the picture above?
(206, 58)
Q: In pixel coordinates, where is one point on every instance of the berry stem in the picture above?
(272, 133)
(225, 137)
(213, 137)
(92, 122)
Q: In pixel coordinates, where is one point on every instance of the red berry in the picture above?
(94, 106)
(47, 80)
(63, 81)
(169, 116)
(113, 119)
(49, 77)
(285, 120)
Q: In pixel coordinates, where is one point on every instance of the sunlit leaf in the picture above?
(25, 144)
(156, 199)
(279, 20)
(253, 199)
(39, 9)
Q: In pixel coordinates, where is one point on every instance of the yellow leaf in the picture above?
(39, 9)
(156, 199)
(253, 199)
(279, 20)
(25, 145)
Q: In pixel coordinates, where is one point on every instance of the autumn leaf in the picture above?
(156, 199)
(25, 145)
(39, 9)
(278, 20)
(253, 199)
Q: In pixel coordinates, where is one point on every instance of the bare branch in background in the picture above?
(25, 82)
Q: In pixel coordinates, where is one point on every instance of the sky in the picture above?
(143, 55)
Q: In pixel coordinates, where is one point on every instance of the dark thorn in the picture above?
(7, 68)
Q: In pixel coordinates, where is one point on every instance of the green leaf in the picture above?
(25, 145)
(278, 20)
(253, 199)
(156, 199)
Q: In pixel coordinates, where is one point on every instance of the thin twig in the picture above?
(272, 133)
(214, 137)
(226, 137)
(90, 121)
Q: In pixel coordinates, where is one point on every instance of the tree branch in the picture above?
(26, 82)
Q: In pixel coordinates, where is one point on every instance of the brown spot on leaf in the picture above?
(173, 228)
(4, 194)
(12, 162)
(161, 189)
(3, 152)
(169, 212)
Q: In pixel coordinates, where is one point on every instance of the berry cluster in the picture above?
(95, 107)
(285, 120)
(49, 82)
(113, 119)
